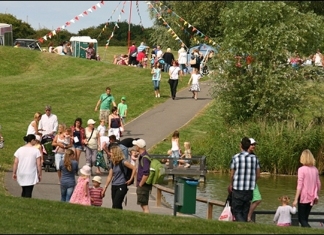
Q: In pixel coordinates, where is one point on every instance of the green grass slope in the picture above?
(72, 86)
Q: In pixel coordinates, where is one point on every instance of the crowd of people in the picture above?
(244, 194)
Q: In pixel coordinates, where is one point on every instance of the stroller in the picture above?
(48, 154)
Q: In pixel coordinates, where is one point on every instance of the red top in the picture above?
(140, 56)
(95, 195)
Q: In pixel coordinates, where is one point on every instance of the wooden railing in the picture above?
(294, 217)
(210, 203)
(198, 168)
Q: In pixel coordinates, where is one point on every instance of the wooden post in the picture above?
(158, 196)
(209, 210)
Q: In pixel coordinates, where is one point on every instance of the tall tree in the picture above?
(20, 29)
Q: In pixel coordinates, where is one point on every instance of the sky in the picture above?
(54, 14)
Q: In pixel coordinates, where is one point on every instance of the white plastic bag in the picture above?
(226, 214)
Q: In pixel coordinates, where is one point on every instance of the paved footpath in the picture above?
(153, 126)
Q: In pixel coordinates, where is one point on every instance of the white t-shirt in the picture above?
(182, 57)
(283, 214)
(318, 60)
(159, 54)
(48, 123)
(174, 71)
(59, 49)
(195, 78)
(27, 165)
(101, 130)
(103, 140)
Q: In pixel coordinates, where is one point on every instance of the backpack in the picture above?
(157, 171)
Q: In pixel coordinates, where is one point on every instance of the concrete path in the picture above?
(153, 126)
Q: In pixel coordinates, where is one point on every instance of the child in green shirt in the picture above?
(122, 109)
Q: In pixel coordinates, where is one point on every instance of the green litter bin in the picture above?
(186, 195)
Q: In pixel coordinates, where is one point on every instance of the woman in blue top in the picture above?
(156, 78)
(117, 176)
(69, 168)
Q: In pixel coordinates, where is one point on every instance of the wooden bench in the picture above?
(198, 167)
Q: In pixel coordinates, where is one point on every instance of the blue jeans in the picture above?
(156, 84)
(166, 67)
(66, 193)
(176, 156)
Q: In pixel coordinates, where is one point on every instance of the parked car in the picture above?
(32, 44)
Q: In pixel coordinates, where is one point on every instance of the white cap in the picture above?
(253, 141)
(91, 121)
(139, 143)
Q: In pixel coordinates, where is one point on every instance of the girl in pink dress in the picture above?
(81, 193)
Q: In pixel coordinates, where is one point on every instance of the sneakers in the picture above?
(158, 95)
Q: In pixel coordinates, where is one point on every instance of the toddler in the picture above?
(81, 194)
(283, 213)
(102, 127)
(186, 154)
(67, 139)
(133, 156)
(96, 192)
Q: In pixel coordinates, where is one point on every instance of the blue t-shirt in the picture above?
(68, 177)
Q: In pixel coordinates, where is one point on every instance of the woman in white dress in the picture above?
(27, 169)
(33, 126)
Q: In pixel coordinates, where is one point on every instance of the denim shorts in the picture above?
(77, 146)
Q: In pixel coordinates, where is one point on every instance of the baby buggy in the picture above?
(161, 62)
(48, 154)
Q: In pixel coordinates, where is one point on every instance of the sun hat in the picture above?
(85, 170)
(139, 143)
(253, 141)
(97, 179)
(123, 98)
(91, 121)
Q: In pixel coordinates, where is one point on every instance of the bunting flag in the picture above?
(139, 15)
(170, 30)
(194, 31)
(73, 20)
(109, 19)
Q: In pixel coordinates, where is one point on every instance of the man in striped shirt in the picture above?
(245, 169)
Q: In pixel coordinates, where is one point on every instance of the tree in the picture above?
(20, 29)
(269, 32)
(202, 15)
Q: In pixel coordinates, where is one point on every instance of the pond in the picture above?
(271, 188)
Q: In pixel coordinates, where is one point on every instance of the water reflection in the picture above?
(271, 188)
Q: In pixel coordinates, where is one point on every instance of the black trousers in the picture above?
(241, 201)
(173, 87)
(118, 193)
(27, 191)
(304, 210)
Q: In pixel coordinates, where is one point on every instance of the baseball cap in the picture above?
(123, 98)
(139, 143)
(252, 141)
(91, 121)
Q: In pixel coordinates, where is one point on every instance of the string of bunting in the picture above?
(139, 15)
(116, 25)
(76, 18)
(109, 19)
(170, 30)
(187, 24)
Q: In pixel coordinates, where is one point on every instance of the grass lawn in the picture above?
(21, 215)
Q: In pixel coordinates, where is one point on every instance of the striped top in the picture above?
(95, 195)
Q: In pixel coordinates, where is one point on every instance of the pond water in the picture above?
(271, 188)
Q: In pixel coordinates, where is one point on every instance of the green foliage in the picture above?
(120, 38)
(268, 32)
(20, 29)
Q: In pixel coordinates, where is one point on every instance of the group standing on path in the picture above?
(243, 188)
